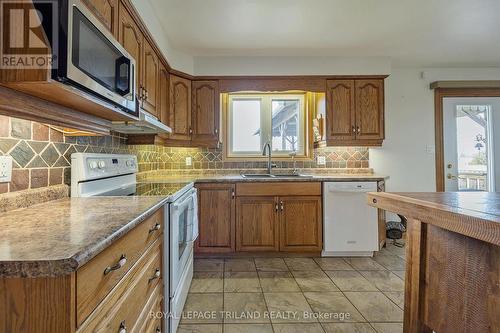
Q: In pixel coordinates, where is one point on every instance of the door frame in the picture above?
(439, 94)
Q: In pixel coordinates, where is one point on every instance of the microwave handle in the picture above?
(122, 61)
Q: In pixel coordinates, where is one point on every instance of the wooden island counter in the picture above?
(453, 259)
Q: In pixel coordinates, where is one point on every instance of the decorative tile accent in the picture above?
(22, 153)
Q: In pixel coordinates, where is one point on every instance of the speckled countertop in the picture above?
(239, 178)
(57, 237)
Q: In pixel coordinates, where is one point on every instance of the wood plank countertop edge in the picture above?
(472, 223)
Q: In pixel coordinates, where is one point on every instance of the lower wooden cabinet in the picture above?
(301, 227)
(256, 224)
(258, 217)
(216, 217)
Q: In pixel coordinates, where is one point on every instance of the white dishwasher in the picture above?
(350, 226)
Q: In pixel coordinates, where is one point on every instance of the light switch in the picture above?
(5, 169)
(321, 160)
(189, 161)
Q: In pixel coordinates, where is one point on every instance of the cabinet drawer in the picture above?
(146, 322)
(278, 188)
(93, 284)
(126, 302)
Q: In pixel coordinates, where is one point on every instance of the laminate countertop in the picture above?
(57, 237)
(240, 178)
(472, 214)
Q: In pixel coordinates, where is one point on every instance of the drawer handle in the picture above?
(156, 227)
(123, 328)
(118, 265)
(158, 330)
(374, 201)
(156, 275)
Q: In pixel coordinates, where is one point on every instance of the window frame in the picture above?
(266, 113)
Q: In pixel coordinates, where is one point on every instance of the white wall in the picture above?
(177, 60)
(292, 65)
(409, 113)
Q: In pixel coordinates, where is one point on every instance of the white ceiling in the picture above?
(411, 32)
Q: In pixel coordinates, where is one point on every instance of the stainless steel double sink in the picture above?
(267, 175)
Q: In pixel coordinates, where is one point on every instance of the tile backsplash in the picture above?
(42, 155)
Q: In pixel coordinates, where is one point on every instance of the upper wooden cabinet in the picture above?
(205, 112)
(164, 96)
(369, 109)
(216, 209)
(355, 112)
(180, 108)
(132, 39)
(106, 11)
(150, 80)
(341, 118)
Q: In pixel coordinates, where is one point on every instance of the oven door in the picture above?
(96, 61)
(181, 236)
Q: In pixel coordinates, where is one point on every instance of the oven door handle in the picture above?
(189, 197)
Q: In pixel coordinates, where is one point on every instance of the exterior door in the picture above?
(341, 113)
(180, 108)
(206, 111)
(369, 109)
(471, 158)
(216, 211)
(256, 224)
(300, 223)
(150, 79)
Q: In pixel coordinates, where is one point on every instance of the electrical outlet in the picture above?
(5, 169)
(430, 149)
(321, 160)
(189, 161)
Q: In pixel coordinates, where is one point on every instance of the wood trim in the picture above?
(278, 189)
(439, 94)
(15, 104)
(465, 84)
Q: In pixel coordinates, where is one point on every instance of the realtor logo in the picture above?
(28, 30)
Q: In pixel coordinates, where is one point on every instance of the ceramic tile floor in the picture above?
(297, 295)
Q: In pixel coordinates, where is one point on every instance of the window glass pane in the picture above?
(245, 127)
(286, 125)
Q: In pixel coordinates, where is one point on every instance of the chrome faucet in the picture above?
(267, 149)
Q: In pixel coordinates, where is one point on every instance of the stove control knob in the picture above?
(93, 165)
(130, 163)
(102, 164)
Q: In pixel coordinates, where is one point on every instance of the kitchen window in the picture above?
(255, 119)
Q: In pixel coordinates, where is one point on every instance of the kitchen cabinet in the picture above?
(164, 96)
(355, 112)
(106, 12)
(300, 223)
(205, 112)
(150, 80)
(216, 217)
(256, 224)
(180, 109)
(260, 217)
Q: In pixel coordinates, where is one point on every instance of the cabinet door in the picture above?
(370, 109)
(131, 39)
(106, 11)
(150, 79)
(256, 224)
(164, 95)
(180, 108)
(216, 209)
(301, 227)
(206, 111)
(340, 110)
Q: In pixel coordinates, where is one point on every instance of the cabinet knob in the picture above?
(118, 265)
(123, 328)
(374, 201)
(156, 275)
(156, 227)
